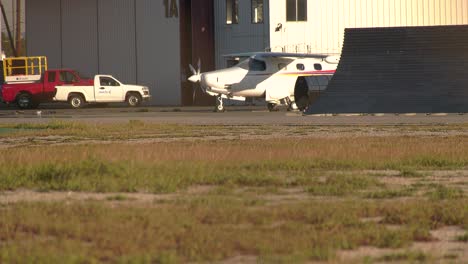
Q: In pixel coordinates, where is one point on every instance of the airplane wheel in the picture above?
(219, 104)
(293, 107)
(272, 107)
(220, 108)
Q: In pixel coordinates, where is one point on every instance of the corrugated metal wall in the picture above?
(241, 37)
(79, 32)
(158, 52)
(116, 27)
(130, 39)
(43, 30)
(324, 29)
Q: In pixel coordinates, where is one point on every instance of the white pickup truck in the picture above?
(105, 89)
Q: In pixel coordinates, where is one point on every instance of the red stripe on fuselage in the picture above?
(303, 73)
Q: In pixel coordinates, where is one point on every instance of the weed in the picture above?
(442, 192)
(342, 185)
(388, 194)
(463, 238)
(409, 173)
(411, 256)
(117, 197)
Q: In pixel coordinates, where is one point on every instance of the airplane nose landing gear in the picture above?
(219, 104)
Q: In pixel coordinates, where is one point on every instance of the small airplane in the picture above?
(290, 79)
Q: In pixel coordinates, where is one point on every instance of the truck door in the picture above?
(51, 81)
(108, 90)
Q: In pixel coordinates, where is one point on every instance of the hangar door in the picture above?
(197, 42)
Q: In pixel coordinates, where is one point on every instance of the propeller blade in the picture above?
(199, 66)
(192, 69)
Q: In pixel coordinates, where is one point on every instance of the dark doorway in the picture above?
(197, 42)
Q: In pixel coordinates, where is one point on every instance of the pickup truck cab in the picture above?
(104, 89)
(29, 94)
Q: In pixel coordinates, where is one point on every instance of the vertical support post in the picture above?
(19, 48)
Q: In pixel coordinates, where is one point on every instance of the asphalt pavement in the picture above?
(242, 115)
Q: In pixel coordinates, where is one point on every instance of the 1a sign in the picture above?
(171, 9)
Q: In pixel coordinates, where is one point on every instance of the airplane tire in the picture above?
(272, 107)
(220, 108)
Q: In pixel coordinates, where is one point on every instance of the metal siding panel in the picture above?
(459, 11)
(116, 25)
(79, 34)
(245, 36)
(43, 30)
(437, 14)
(392, 15)
(158, 52)
(421, 14)
(465, 14)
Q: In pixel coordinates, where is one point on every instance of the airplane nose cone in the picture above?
(194, 78)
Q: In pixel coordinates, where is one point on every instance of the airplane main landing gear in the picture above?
(219, 104)
(272, 107)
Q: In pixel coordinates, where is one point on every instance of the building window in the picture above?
(257, 11)
(296, 10)
(232, 12)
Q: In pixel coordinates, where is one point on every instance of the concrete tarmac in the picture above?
(242, 115)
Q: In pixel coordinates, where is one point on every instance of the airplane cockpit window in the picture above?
(318, 66)
(257, 65)
(300, 66)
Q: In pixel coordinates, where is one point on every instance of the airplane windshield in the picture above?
(244, 64)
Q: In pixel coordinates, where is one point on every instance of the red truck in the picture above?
(31, 94)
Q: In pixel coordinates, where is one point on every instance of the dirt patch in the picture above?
(444, 248)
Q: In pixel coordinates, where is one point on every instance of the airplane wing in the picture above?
(277, 55)
(329, 58)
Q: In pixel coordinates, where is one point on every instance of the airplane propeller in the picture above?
(196, 77)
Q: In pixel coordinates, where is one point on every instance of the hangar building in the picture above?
(151, 42)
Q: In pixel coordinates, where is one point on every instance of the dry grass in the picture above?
(213, 228)
(337, 180)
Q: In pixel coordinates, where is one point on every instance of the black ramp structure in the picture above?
(400, 70)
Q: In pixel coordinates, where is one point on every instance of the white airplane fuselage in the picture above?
(271, 78)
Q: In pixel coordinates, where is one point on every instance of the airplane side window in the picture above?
(318, 66)
(282, 66)
(257, 65)
(300, 66)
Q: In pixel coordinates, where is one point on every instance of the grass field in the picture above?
(153, 193)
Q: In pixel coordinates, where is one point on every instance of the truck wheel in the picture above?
(133, 99)
(24, 101)
(76, 101)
